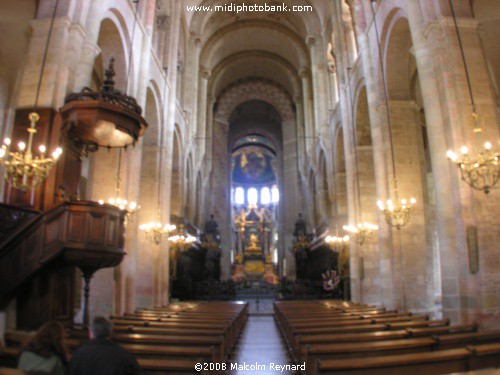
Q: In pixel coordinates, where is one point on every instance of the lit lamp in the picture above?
(117, 201)
(361, 232)
(397, 214)
(155, 231)
(25, 171)
(181, 240)
(337, 243)
(480, 171)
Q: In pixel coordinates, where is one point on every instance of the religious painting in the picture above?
(253, 165)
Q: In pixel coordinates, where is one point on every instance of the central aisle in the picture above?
(261, 343)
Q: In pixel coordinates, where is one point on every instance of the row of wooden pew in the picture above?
(337, 337)
(168, 340)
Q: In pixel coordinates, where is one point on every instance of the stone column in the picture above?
(309, 123)
(465, 296)
(390, 295)
(220, 191)
(169, 124)
(289, 196)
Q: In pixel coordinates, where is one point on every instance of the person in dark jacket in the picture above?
(45, 352)
(101, 355)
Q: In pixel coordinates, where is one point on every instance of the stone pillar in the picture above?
(465, 296)
(201, 128)
(169, 125)
(334, 88)
(289, 196)
(390, 297)
(309, 123)
(220, 191)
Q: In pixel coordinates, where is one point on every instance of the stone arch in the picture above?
(261, 90)
(347, 17)
(277, 69)
(488, 17)
(409, 154)
(308, 24)
(114, 41)
(295, 52)
(366, 208)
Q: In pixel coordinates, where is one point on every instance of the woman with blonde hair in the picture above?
(45, 351)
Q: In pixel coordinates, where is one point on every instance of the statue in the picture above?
(300, 228)
(212, 229)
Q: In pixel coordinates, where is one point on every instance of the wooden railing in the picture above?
(84, 234)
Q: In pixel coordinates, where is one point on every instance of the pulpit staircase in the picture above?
(73, 234)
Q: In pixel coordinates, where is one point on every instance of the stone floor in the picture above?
(260, 344)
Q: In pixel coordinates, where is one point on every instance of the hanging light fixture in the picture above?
(180, 239)
(362, 231)
(24, 170)
(336, 243)
(156, 231)
(482, 170)
(398, 212)
(117, 200)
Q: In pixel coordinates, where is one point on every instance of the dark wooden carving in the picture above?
(82, 234)
(107, 117)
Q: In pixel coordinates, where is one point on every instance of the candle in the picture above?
(232, 256)
(284, 267)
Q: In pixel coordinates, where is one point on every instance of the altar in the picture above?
(254, 245)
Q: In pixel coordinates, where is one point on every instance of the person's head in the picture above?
(101, 328)
(48, 340)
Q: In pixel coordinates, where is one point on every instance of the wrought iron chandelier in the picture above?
(25, 171)
(482, 170)
(398, 212)
(121, 203)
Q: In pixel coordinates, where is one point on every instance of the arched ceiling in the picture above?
(239, 46)
(259, 64)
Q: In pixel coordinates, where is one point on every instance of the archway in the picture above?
(415, 266)
(256, 168)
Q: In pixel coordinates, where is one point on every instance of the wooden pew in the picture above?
(457, 340)
(428, 363)
(365, 349)
(303, 341)
(438, 362)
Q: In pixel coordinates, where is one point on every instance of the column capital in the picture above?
(162, 22)
(304, 73)
(205, 73)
